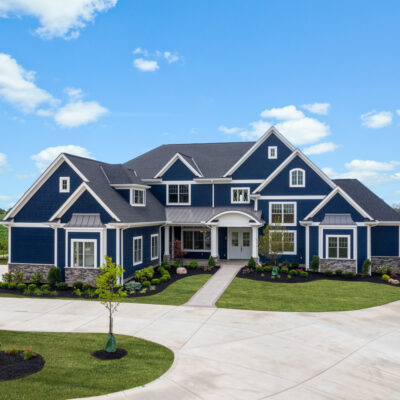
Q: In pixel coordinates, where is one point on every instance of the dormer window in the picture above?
(64, 184)
(297, 177)
(138, 197)
(272, 152)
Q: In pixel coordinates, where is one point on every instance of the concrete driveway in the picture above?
(231, 354)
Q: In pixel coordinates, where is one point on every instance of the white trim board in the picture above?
(172, 161)
(141, 250)
(77, 240)
(299, 197)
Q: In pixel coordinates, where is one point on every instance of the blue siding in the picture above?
(361, 247)
(315, 185)
(32, 245)
(159, 191)
(202, 195)
(313, 242)
(327, 232)
(125, 193)
(61, 248)
(258, 166)
(338, 205)
(222, 194)
(87, 204)
(385, 241)
(111, 244)
(84, 235)
(47, 200)
(223, 243)
(178, 172)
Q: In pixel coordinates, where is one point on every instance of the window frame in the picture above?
(240, 188)
(141, 250)
(294, 203)
(294, 252)
(291, 184)
(60, 184)
(75, 240)
(193, 250)
(155, 235)
(189, 185)
(348, 237)
(132, 197)
(270, 149)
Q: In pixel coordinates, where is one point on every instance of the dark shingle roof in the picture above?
(118, 173)
(368, 200)
(212, 159)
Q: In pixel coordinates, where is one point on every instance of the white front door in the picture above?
(239, 243)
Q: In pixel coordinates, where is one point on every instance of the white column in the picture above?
(172, 242)
(320, 243)
(214, 241)
(56, 246)
(9, 244)
(254, 239)
(166, 242)
(307, 246)
(355, 247)
(213, 195)
(159, 245)
(117, 247)
(369, 242)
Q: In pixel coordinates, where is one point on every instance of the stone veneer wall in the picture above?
(29, 270)
(85, 275)
(334, 264)
(390, 261)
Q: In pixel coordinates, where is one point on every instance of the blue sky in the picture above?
(112, 79)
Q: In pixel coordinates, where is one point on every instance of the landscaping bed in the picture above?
(16, 364)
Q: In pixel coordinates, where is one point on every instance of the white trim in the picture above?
(129, 186)
(76, 240)
(83, 229)
(348, 247)
(118, 246)
(270, 149)
(271, 203)
(9, 245)
(291, 184)
(141, 250)
(132, 197)
(159, 243)
(340, 191)
(234, 212)
(55, 246)
(169, 164)
(151, 246)
(39, 183)
(196, 229)
(166, 240)
(320, 243)
(307, 247)
(60, 184)
(75, 196)
(30, 224)
(285, 163)
(125, 225)
(298, 197)
(387, 223)
(369, 242)
(189, 203)
(256, 145)
(355, 246)
(213, 195)
(254, 242)
(240, 188)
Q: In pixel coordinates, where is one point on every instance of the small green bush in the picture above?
(78, 285)
(259, 268)
(21, 286)
(38, 292)
(37, 278)
(289, 276)
(155, 281)
(349, 275)
(193, 265)
(385, 277)
(54, 275)
(293, 272)
(45, 287)
(328, 272)
(366, 266)
(78, 292)
(4, 285)
(268, 268)
(284, 270)
(178, 264)
(315, 263)
(164, 279)
(12, 286)
(384, 269)
(304, 274)
(87, 287)
(62, 286)
(211, 262)
(18, 277)
(133, 286)
(146, 284)
(7, 277)
(338, 272)
(54, 293)
(32, 287)
(90, 292)
(166, 265)
(251, 263)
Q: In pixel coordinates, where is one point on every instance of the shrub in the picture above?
(315, 263)
(289, 276)
(284, 270)
(366, 266)
(259, 268)
(304, 274)
(267, 268)
(155, 281)
(178, 264)
(385, 277)
(54, 293)
(78, 285)
(37, 278)
(18, 276)
(143, 291)
(211, 262)
(13, 352)
(384, 269)
(45, 287)
(87, 287)
(164, 279)
(144, 274)
(338, 272)
(393, 275)
(32, 287)
(62, 286)
(146, 284)
(328, 272)
(54, 275)
(251, 263)
(90, 292)
(349, 275)
(133, 286)
(192, 265)
(21, 286)
(12, 286)
(8, 277)
(78, 292)
(38, 292)
(293, 272)
(4, 285)
(166, 265)
(295, 265)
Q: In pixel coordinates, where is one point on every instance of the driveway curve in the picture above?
(235, 354)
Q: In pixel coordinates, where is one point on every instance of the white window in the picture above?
(137, 250)
(240, 195)
(297, 177)
(138, 197)
(64, 184)
(84, 253)
(178, 194)
(196, 240)
(284, 241)
(283, 213)
(154, 246)
(272, 152)
(338, 246)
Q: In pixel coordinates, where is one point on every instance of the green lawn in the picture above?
(70, 371)
(323, 295)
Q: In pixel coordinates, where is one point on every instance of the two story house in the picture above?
(216, 198)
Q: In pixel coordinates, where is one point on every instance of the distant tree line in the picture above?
(397, 207)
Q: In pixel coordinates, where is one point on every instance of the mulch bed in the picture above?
(15, 367)
(104, 355)
(312, 276)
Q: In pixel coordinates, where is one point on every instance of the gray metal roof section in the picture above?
(199, 215)
(337, 219)
(85, 221)
(368, 200)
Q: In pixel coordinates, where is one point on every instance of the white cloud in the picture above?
(317, 108)
(321, 148)
(17, 86)
(48, 155)
(230, 131)
(376, 120)
(57, 18)
(74, 93)
(145, 65)
(370, 165)
(398, 112)
(3, 162)
(258, 129)
(77, 113)
(139, 50)
(283, 113)
(171, 57)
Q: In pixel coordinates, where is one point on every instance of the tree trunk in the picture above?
(110, 330)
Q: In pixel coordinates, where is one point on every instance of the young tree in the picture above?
(273, 242)
(110, 293)
(179, 253)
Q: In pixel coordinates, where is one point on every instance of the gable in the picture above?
(178, 171)
(258, 165)
(47, 200)
(280, 184)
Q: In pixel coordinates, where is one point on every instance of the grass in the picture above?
(322, 295)
(70, 371)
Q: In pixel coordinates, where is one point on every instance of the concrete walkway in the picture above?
(209, 294)
(235, 354)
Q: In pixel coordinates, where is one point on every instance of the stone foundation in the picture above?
(335, 264)
(85, 275)
(29, 270)
(389, 261)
